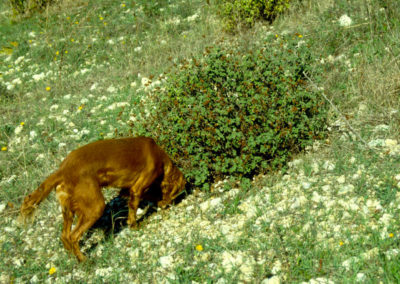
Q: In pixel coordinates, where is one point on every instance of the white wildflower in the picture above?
(192, 18)
(38, 77)
(390, 143)
(40, 157)
(85, 131)
(329, 166)
(372, 253)
(166, 261)
(381, 127)
(9, 86)
(32, 134)
(18, 129)
(9, 229)
(111, 89)
(320, 280)
(376, 143)
(34, 279)
(145, 81)
(361, 277)
(2, 207)
(390, 254)
(385, 219)
(93, 87)
(345, 21)
(230, 261)
(84, 71)
(53, 107)
(104, 272)
(209, 204)
(19, 59)
(298, 201)
(16, 81)
(345, 189)
(349, 262)
(374, 205)
(316, 197)
(18, 262)
(137, 49)
(277, 267)
(341, 179)
(306, 185)
(117, 105)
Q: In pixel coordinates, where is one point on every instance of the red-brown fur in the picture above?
(128, 163)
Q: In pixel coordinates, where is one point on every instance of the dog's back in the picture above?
(115, 162)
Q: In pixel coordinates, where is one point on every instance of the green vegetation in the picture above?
(86, 70)
(239, 14)
(235, 112)
(26, 6)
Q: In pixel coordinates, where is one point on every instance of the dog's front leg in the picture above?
(133, 204)
(136, 192)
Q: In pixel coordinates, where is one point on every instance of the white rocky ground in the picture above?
(232, 234)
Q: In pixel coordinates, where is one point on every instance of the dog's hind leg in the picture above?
(68, 216)
(66, 232)
(89, 205)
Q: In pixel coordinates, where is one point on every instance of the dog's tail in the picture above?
(33, 200)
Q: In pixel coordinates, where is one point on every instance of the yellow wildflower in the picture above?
(80, 107)
(76, 23)
(300, 36)
(123, 5)
(68, 18)
(101, 18)
(48, 88)
(22, 123)
(52, 270)
(4, 148)
(341, 243)
(391, 235)
(199, 247)
(14, 43)
(72, 40)
(57, 52)
(66, 52)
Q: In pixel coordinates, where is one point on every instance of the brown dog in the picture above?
(129, 163)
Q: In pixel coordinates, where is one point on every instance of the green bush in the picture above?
(243, 13)
(24, 6)
(235, 113)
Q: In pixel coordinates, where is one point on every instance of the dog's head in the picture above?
(177, 183)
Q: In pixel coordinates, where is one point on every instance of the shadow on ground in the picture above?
(115, 215)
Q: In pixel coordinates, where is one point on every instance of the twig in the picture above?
(338, 112)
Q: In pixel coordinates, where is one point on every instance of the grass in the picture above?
(331, 216)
